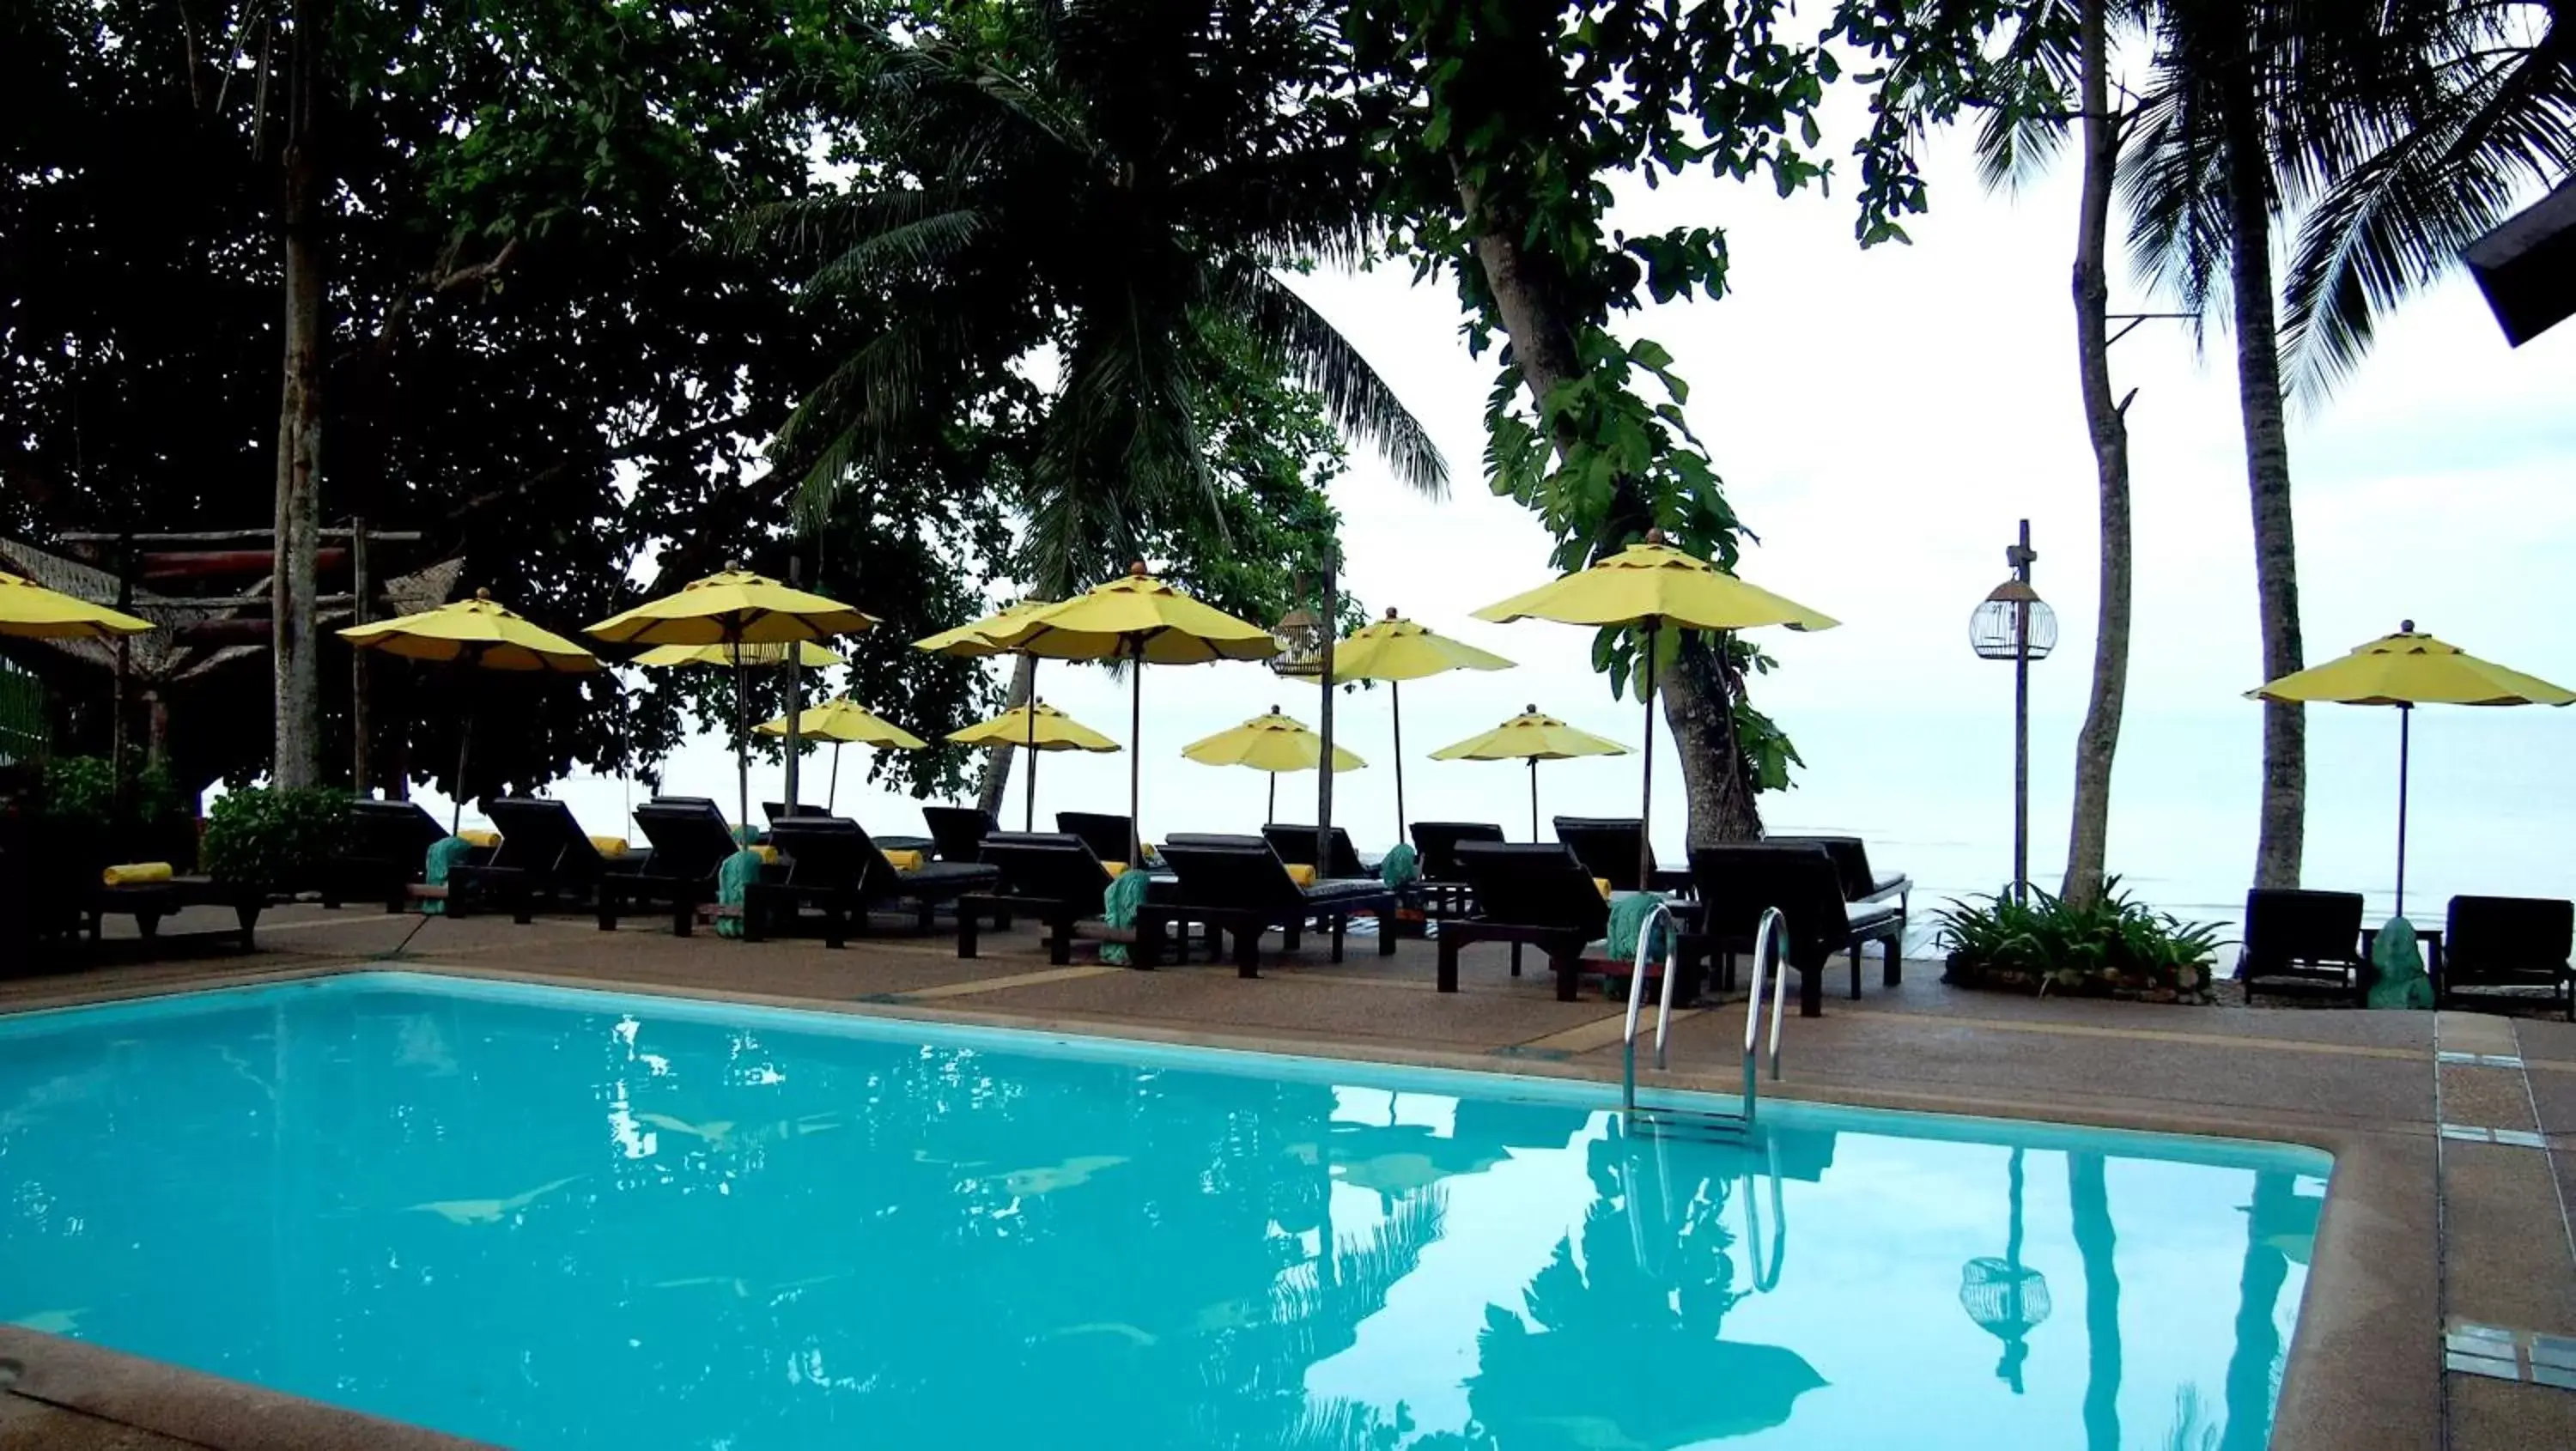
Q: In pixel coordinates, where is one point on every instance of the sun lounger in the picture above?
(690, 845)
(148, 902)
(1296, 846)
(833, 863)
(1737, 883)
(2507, 942)
(543, 855)
(1851, 863)
(2302, 942)
(1607, 847)
(388, 851)
(1107, 835)
(1238, 884)
(957, 832)
(1529, 894)
(1049, 875)
(776, 811)
(1443, 886)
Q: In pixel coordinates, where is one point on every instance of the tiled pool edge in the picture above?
(70, 1393)
(2363, 1368)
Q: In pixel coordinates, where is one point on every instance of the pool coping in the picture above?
(2362, 1369)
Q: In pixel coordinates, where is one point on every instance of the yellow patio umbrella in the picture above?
(29, 611)
(1653, 585)
(1270, 743)
(475, 634)
(1530, 737)
(1034, 729)
(738, 607)
(1142, 620)
(1396, 650)
(2406, 670)
(842, 722)
(974, 641)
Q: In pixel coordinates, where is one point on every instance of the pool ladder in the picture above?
(1767, 965)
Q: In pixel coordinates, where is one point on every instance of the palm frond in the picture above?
(1359, 401)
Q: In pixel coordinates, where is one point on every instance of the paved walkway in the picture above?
(2441, 1304)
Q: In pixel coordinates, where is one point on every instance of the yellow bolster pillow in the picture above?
(904, 861)
(768, 855)
(477, 836)
(608, 845)
(1602, 885)
(1114, 869)
(1302, 874)
(136, 874)
(1150, 850)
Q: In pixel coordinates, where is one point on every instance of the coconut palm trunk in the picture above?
(294, 650)
(2106, 420)
(998, 759)
(2267, 470)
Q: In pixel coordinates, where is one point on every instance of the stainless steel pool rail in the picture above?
(1768, 937)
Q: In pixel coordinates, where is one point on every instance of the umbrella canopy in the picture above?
(1144, 620)
(29, 611)
(1272, 742)
(1045, 729)
(808, 654)
(1395, 650)
(842, 722)
(737, 607)
(1269, 743)
(2405, 670)
(1653, 584)
(1530, 737)
(479, 632)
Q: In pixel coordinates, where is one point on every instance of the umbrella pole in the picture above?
(795, 708)
(464, 752)
(1136, 762)
(1270, 813)
(2405, 731)
(1029, 795)
(741, 746)
(832, 793)
(1533, 798)
(1646, 793)
(1395, 706)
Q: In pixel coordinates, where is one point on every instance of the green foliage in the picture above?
(80, 788)
(2112, 938)
(273, 838)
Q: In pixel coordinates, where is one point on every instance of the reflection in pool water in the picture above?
(560, 1220)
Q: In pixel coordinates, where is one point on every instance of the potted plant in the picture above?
(275, 840)
(2111, 947)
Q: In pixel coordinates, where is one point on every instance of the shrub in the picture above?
(276, 839)
(2115, 945)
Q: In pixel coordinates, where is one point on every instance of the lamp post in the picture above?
(2014, 623)
(1306, 652)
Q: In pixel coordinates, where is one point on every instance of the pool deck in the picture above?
(2445, 1240)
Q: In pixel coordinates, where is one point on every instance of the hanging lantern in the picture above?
(1994, 631)
(1301, 636)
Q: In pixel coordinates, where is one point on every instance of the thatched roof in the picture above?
(161, 657)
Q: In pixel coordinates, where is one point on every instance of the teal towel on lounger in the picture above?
(2397, 969)
(1628, 914)
(1118, 907)
(444, 854)
(1401, 868)
(738, 872)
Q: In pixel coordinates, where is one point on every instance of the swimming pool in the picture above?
(553, 1219)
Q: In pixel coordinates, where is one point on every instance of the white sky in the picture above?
(1882, 419)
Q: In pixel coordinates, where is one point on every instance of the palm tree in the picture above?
(2203, 198)
(2429, 126)
(1112, 186)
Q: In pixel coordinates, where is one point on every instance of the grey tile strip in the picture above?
(2500, 1353)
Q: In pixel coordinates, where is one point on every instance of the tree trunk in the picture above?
(2089, 837)
(2267, 470)
(997, 759)
(1695, 692)
(298, 761)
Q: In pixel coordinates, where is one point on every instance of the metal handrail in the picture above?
(1767, 961)
(1637, 997)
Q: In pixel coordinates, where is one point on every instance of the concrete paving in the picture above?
(2454, 1133)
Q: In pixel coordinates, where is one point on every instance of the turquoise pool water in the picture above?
(559, 1219)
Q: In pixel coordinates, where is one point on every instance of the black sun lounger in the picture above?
(2507, 942)
(1052, 876)
(1238, 884)
(957, 832)
(1435, 845)
(691, 843)
(2300, 941)
(1296, 847)
(1106, 834)
(544, 854)
(388, 850)
(834, 864)
(1607, 847)
(1529, 894)
(1737, 883)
